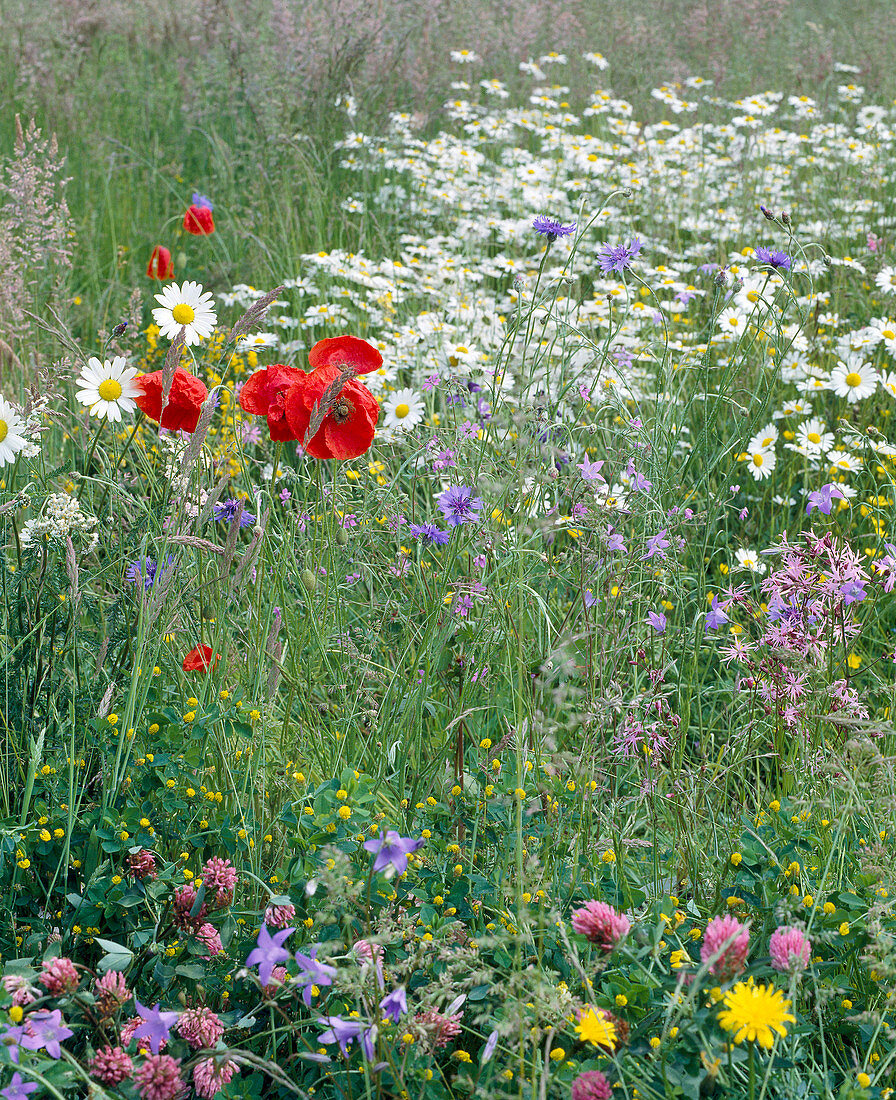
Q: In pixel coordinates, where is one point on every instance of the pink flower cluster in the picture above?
(200, 1027)
(601, 924)
(59, 976)
(790, 949)
(111, 992)
(211, 1075)
(440, 1029)
(279, 916)
(158, 1078)
(591, 1086)
(219, 878)
(111, 1065)
(142, 864)
(725, 947)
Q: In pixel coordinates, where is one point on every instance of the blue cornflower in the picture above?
(619, 257)
(429, 531)
(551, 228)
(228, 509)
(202, 200)
(146, 570)
(459, 506)
(774, 258)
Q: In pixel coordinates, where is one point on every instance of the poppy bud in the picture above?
(198, 220)
(309, 580)
(341, 537)
(160, 265)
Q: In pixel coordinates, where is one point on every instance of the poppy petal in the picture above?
(346, 353)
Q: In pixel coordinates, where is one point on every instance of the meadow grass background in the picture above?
(370, 700)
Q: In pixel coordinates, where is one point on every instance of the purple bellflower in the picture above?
(155, 1026)
(394, 1004)
(312, 972)
(823, 498)
(268, 952)
(393, 851)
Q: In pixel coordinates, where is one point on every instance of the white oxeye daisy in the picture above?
(11, 427)
(761, 463)
(763, 439)
(853, 381)
(886, 280)
(732, 323)
(185, 306)
(255, 341)
(108, 388)
(814, 436)
(403, 409)
(749, 559)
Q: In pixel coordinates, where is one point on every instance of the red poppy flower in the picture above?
(350, 422)
(347, 353)
(198, 220)
(200, 659)
(160, 265)
(184, 400)
(264, 394)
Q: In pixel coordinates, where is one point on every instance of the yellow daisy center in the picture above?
(813, 437)
(733, 321)
(109, 390)
(853, 379)
(758, 460)
(4, 430)
(888, 334)
(401, 411)
(183, 314)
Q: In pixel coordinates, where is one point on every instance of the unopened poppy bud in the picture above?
(160, 265)
(119, 329)
(309, 580)
(341, 537)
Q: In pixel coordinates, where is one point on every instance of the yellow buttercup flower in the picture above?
(754, 1012)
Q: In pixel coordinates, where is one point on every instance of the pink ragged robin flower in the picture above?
(601, 924)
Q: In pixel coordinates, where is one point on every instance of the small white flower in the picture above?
(749, 559)
(766, 437)
(108, 388)
(255, 341)
(185, 306)
(11, 427)
(732, 323)
(403, 410)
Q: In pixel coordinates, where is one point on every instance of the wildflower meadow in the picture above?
(446, 500)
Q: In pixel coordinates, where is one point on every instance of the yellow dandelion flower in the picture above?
(597, 1029)
(753, 1012)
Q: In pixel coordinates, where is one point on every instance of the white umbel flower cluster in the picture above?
(61, 517)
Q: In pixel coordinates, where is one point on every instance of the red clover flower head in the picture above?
(59, 976)
(601, 924)
(158, 1078)
(726, 942)
(790, 949)
(111, 1066)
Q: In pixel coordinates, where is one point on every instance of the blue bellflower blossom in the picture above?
(773, 257)
(823, 498)
(619, 257)
(312, 972)
(459, 506)
(229, 509)
(45, 1030)
(344, 1032)
(395, 1004)
(393, 851)
(156, 1025)
(18, 1089)
(551, 228)
(268, 952)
